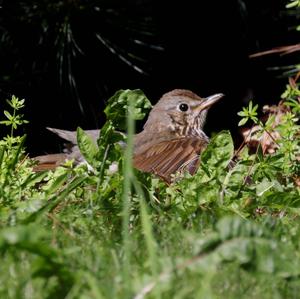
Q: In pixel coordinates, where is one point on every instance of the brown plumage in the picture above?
(172, 138)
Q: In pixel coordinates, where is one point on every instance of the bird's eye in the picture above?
(183, 107)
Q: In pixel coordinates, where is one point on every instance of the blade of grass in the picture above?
(94, 285)
(55, 200)
(33, 179)
(128, 173)
(2, 150)
(57, 183)
(150, 242)
(17, 154)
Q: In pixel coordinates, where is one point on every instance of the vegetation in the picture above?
(105, 230)
(230, 231)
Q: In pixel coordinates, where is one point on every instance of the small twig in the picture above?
(250, 169)
(243, 143)
(270, 135)
(284, 50)
(59, 223)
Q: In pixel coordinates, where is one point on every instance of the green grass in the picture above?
(227, 232)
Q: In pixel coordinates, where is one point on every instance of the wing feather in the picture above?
(166, 158)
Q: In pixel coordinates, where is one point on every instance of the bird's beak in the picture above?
(209, 101)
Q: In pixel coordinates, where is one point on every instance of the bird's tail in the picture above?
(49, 162)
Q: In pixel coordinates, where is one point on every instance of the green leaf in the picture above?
(254, 109)
(250, 106)
(264, 186)
(87, 146)
(243, 121)
(242, 113)
(236, 177)
(293, 4)
(5, 122)
(117, 106)
(57, 183)
(8, 115)
(219, 151)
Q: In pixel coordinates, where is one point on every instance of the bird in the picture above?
(173, 137)
(171, 141)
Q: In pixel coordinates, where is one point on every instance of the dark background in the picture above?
(66, 58)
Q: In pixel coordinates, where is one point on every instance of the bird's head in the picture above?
(180, 111)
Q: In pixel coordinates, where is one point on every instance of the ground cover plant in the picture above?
(109, 231)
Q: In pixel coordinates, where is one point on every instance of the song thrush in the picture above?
(172, 139)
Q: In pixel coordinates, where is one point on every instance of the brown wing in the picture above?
(168, 157)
